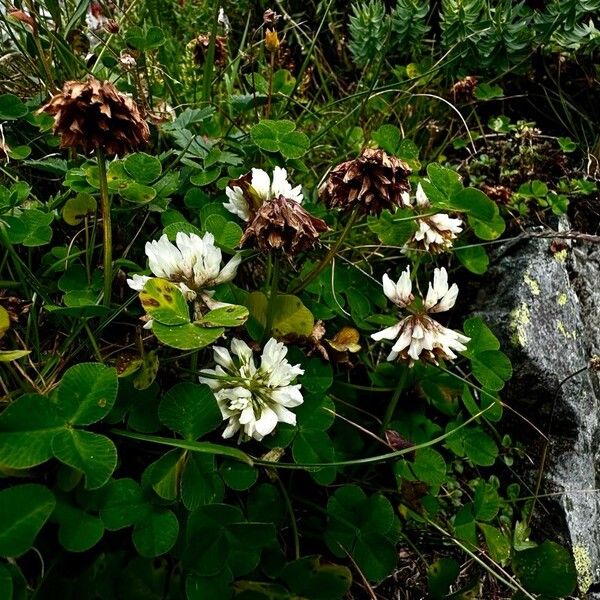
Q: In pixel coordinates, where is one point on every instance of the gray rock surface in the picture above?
(545, 307)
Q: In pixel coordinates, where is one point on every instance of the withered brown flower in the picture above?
(372, 182)
(93, 114)
(282, 224)
(200, 47)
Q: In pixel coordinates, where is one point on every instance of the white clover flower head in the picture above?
(254, 399)
(435, 233)
(418, 336)
(193, 263)
(247, 194)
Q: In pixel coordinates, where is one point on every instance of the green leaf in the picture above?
(138, 193)
(186, 337)
(429, 467)
(142, 167)
(78, 208)
(488, 230)
(486, 91)
(294, 144)
(445, 180)
(481, 335)
(163, 475)
(172, 229)
(30, 228)
(479, 447)
(290, 316)
(474, 258)
(567, 144)
(87, 393)
(547, 569)
(10, 355)
(497, 542)
(165, 302)
(318, 376)
(280, 136)
(123, 504)
(227, 233)
(147, 372)
(388, 137)
(200, 482)
(25, 509)
(312, 446)
(393, 229)
(27, 427)
(206, 177)
(486, 502)
(190, 409)
(464, 525)
(156, 534)
(93, 454)
(492, 369)
(238, 476)
(475, 203)
(4, 321)
(440, 576)
(309, 578)
(364, 527)
(11, 108)
(232, 315)
(78, 530)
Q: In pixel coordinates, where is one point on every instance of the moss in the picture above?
(519, 318)
(583, 564)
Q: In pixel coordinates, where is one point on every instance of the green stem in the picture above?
(106, 226)
(293, 523)
(272, 298)
(329, 256)
(93, 342)
(391, 409)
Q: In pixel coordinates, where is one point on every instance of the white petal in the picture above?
(241, 350)
(261, 183)
(421, 197)
(229, 271)
(137, 282)
(237, 203)
(284, 415)
(267, 422)
(389, 333)
(289, 396)
(222, 357)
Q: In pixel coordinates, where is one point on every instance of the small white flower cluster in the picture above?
(193, 263)
(418, 336)
(254, 399)
(262, 189)
(435, 233)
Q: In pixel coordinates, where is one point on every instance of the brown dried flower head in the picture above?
(372, 182)
(200, 47)
(282, 224)
(270, 17)
(93, 114)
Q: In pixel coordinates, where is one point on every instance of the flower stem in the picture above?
(106, 226)
(328, 257)
(391, 409)
(272, 298)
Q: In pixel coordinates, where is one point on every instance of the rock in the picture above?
(545, 308)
